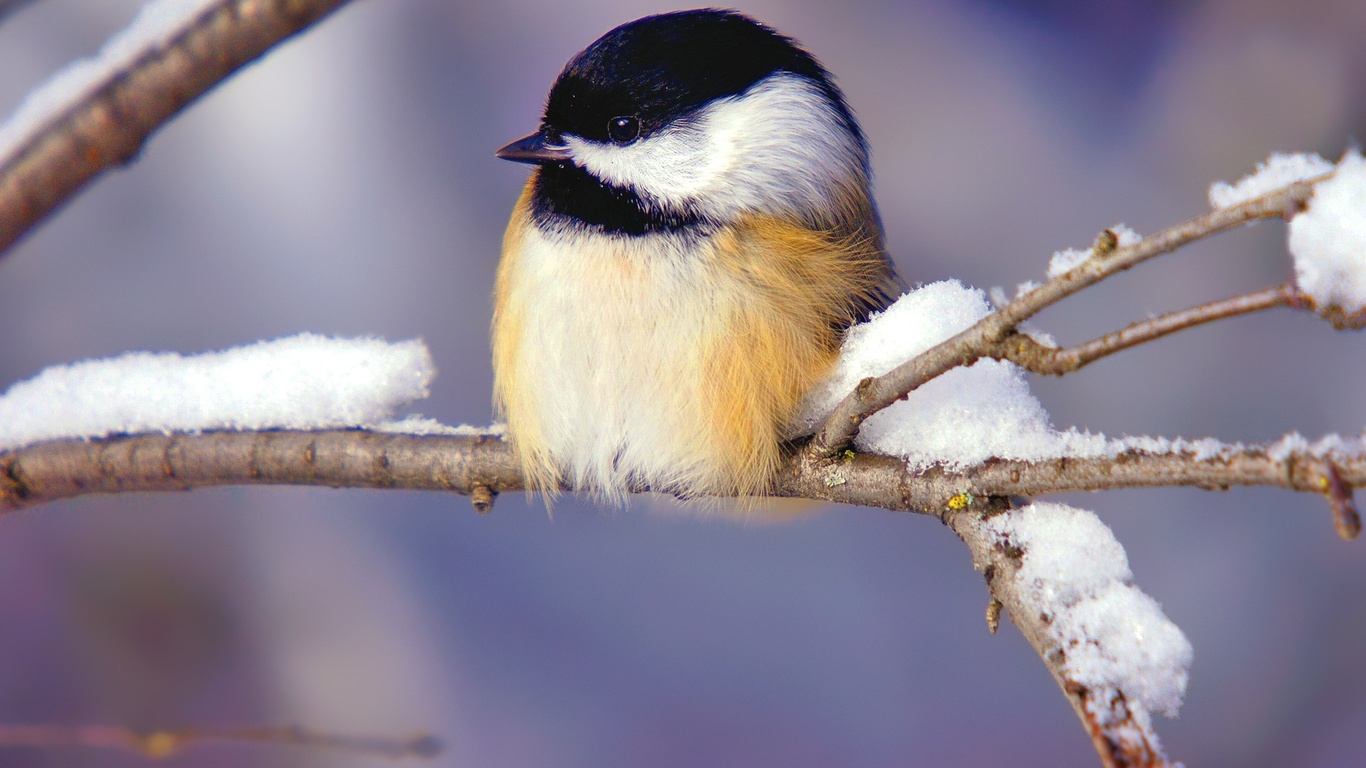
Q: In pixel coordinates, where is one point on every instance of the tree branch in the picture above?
(1029, 354)
(484, 464)
(1120, 737)
(108, 126)
(976, 342)
(177, 462)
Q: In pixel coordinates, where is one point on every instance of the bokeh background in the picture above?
(346, 184)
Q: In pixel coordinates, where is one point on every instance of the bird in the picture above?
(696, 236)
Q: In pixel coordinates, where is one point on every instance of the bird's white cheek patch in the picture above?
(673, 166)
(779, 147)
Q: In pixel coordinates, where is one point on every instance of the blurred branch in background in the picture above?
(169, 742)
(107, 125)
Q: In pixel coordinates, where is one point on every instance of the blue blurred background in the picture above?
(346, 185)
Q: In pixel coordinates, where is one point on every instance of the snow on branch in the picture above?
(301, 382)
(1113, 638)
(1328, 242)
(1277, 171)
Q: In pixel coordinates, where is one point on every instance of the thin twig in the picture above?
(1033, 356)
(108, 126)
(168, 742)
(1340, 499)
(971, 345)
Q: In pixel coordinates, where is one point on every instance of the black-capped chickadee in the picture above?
(681, 266)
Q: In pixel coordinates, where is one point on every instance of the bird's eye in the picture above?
(625, 129)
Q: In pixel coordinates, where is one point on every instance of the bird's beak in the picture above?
(533, 149)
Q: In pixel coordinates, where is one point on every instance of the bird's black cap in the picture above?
(661, 68)
(651, 73)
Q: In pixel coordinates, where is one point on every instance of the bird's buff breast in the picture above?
(647, 360)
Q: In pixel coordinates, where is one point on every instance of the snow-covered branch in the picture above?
(473, 459)
(1065, 582)
(1109, 256)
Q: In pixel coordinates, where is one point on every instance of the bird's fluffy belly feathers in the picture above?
(666, 360)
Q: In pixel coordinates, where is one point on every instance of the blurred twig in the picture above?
(168, 742)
